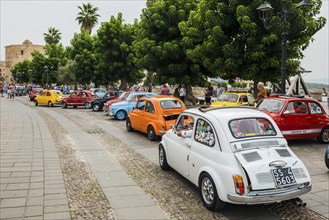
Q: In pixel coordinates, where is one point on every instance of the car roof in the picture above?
(160, 97)
(290, 98)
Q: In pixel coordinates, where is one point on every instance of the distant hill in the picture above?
(317, 86)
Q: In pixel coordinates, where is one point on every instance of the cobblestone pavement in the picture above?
(86, 196)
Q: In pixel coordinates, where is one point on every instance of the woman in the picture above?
(262, 92)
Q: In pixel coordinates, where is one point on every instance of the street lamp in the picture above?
(265, 15)
(20, 77)
(46, 69)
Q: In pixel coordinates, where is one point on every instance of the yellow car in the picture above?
(49, 97)
(235, 99)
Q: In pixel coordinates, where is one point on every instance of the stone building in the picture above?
(18, 53)
(2, 70)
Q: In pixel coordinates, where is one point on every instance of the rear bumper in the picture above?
(162, 132)
(264, 197)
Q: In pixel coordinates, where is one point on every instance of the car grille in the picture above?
(251, 157)
(266, 177)
(283, 152)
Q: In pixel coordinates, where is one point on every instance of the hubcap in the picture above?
(120, 115)
(207, 191)
(151, 133)
(325, 135)
(96, 107)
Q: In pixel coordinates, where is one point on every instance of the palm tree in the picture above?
(53, 36)
(87, 17)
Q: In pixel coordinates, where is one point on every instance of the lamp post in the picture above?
(20, 77)
(265, 14)
(46, 69)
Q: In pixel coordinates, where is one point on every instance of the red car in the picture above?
(79, 98)
(298, 117)
(34, 92)
(123, 96)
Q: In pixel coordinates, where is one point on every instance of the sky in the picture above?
(24, 19)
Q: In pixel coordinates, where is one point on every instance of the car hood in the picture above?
(258, 163)
(120, 104)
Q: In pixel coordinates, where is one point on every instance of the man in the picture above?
(164, 90)
(182, 93)
(1, 89)
(262, 92)
(220, 90)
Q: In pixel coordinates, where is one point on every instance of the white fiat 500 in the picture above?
(234, 155)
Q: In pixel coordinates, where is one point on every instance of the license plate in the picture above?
(283, 176)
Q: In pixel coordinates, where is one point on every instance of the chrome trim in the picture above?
(162, 131)
(270, 197)
(278, 163)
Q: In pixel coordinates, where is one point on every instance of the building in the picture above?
(18, 53)
(2, 70)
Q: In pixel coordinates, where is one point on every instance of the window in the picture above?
(248, 127)
(167, 104)
(140, 105)
(296, 107)
(22, 52)
(149, 107)
(185, 122)
(48, 94)
(83, 94)
(315, 108)
(204, 133)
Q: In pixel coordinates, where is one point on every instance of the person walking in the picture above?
(220, 91)
(1, 89)
(12, 91)
(208, 94)
(164, 90)
(182, 93)
(262, 92)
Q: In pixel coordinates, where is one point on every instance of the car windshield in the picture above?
(251, 127)
(228, 97)
(271, 105)
(168, 104)
(56, 92)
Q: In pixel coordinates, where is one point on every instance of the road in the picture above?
(80, 133)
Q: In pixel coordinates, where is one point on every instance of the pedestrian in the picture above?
(262, 92)
(182, 93)
(1, 89)
(208, 96)
(12, 91)
(210, 88)
(164, 90)
(220, 91)
(9, 91)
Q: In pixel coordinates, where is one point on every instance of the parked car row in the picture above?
(233, 154)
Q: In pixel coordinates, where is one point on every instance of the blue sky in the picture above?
(26, 19)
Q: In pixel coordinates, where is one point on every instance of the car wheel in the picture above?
(163, 158)
(323, 138)
(50, 104)
(36, 102)
(326, 157)
(209, 194)
(64, 105)
(87, 105)
(75, 106)
(121, 115)
(151, 133)
(128, 125)
(97, 107)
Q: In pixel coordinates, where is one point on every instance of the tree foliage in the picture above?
(53, 36)
(229, 40)
(87, 17)
(115, 54)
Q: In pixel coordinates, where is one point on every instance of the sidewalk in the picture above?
(32, 185)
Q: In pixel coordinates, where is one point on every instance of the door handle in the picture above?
(308, 118)
(188, 145)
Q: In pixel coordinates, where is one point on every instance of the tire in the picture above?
(121, 115)
(128, 125)
(209, 195)
(75, 106)
(36, 103)
(97, 107)
(151, 133)
(87, 105)
(50, 104)
(163, 158)
(326, 157)
(64, 105)
(323, 138)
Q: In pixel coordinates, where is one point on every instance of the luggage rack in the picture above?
(207, 108)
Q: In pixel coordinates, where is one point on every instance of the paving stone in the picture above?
(55, 196)
(15, 202)
(36, 185)
(56, 208)
(13, 194)
(34, 210)
(17, 186)
(35, 201)
(36, 192)
(12, 212)
(57, 216)
(53, 202)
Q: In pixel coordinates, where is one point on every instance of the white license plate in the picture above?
(283, 176)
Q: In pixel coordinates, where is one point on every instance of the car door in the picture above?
(84, 98)
(179, 150)
(73, 99)
(137, 115)
(295, 121)
(316, 118)
(149, 116)
(42, 98)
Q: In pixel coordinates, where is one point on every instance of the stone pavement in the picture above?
(32, 185)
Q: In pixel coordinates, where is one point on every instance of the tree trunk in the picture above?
(124, 82)
(149, 77)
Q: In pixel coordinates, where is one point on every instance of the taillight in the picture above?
(239, 186)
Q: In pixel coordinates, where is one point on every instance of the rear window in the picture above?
(251, 127)
(168, 104)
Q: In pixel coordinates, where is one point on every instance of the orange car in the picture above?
(154, 115)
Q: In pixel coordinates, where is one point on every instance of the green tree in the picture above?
(82, 51)
(87, 17)
(53, 36)
(229, 40)
(21, 71)
(115, 52)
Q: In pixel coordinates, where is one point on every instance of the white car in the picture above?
(234, 155)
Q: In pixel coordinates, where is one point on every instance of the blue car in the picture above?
(121, 109)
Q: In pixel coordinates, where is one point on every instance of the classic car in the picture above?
(99, 92)
(326, 157)
(20, 90)
(297, 117)
(49, 97)
(235, 99)
(97, 104)
(234, 155)
(121, 109)
(154, 115)
(78, 98)
(34, 92)
(122, 97)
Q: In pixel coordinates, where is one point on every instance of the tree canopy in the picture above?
(53, 36)
(87, 17)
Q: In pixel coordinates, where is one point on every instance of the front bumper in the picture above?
(264, 197)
